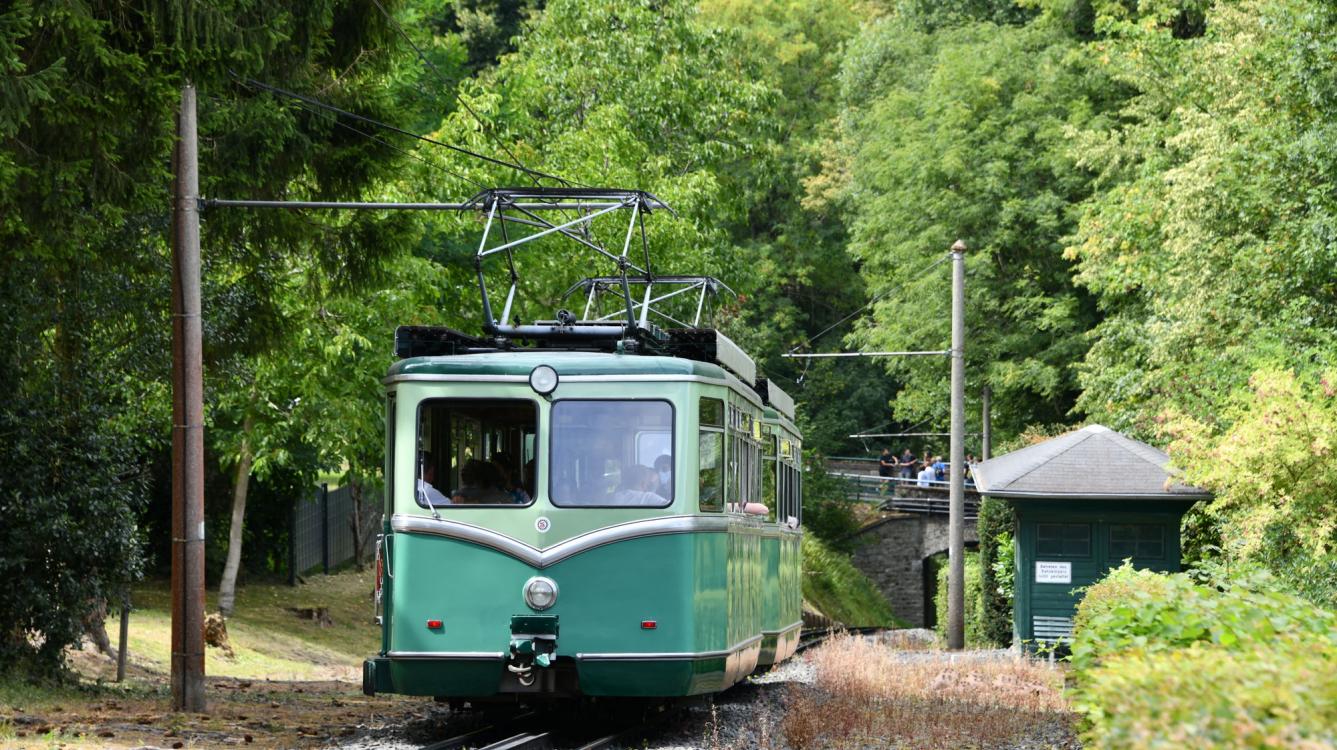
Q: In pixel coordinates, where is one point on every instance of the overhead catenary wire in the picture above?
(393, 128)
(866, 432)
(870, 303)
(335, 119)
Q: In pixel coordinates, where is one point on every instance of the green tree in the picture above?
(86, 130)
(1212, 232)
(1274, 476)
(961, 133)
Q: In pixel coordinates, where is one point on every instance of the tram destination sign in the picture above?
(1053, 572)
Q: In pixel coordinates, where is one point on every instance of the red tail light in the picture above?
(649, 624)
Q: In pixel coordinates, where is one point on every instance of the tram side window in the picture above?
(475, 452)
(612, 453)
(711, 450)
(768, 471)
(790, 512)
(798, 497)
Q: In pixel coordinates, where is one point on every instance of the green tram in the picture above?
(588, 506)
(646, 543)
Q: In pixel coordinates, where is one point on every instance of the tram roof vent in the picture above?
(778, 399)
(434, 341)
(709, 345)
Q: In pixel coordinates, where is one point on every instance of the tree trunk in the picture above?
(357, 523)
(95, 625)
(227, 587)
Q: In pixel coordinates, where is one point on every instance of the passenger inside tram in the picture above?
(427, 491)
(480, 484)
(638, 487)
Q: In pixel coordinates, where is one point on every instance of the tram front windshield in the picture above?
(612, 454)
(476, 452)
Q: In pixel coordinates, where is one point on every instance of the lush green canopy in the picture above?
(1146, 189)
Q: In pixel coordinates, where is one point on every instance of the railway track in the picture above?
(813, 636)
(554, 729)
(533, 730)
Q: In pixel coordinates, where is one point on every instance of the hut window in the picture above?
(1137, 540)
(1063, 539)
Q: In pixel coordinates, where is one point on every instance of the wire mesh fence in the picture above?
(332, 528)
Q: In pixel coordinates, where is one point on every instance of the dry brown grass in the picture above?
(866, 694)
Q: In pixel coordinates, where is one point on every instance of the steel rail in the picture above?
(473, 736)
(524, 741)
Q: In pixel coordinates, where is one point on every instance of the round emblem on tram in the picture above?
(542, 524)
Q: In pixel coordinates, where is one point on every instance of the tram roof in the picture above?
(564, 362)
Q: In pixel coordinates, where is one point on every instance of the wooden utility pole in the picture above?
(956, 574)
(986, 430)
(187, 421)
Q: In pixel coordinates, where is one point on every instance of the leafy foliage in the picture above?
(1274, 693)
(90, 91)
(1144, 611)
(1213, 230)
(1163, 661)
(994, 527)
(976, 627)
(1274, 476)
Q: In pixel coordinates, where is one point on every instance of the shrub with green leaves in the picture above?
(995, 524)
(977, 635)
(1209, 659)
(1266, 694)
(1137, 609)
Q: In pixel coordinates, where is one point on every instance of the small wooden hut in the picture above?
(1085, 502)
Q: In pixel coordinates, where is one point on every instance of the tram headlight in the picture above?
(543, 379)
(540, 593)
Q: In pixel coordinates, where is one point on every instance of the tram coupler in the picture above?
(533, 645)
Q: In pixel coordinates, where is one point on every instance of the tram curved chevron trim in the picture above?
(543, 558)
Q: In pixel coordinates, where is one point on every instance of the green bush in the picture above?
(976, 635)
(1223, 661)
(1139, 609)
(1269, 694)
(995, 524)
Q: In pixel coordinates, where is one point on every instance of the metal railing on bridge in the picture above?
(906, 495)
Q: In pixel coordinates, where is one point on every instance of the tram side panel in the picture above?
(771, 611)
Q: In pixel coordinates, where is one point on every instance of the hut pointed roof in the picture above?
(1094, 462)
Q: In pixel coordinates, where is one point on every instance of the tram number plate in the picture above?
(534, 625)
(1053, 572)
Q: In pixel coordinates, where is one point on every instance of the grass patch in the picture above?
(269, 639)
(865, 694)
(292, 682)
(837, 589)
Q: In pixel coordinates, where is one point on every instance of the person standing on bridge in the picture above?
(907, 464)
(926, 475)
(886, 468)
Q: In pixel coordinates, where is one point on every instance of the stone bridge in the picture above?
(895, 551)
